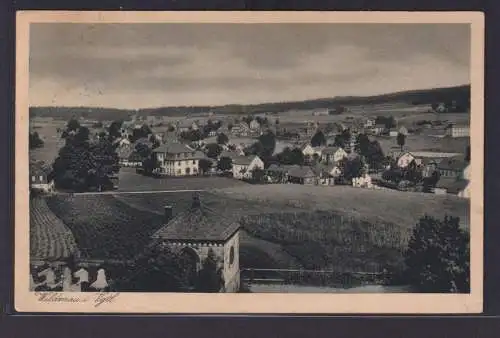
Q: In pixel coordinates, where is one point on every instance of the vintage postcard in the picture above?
(249, 162)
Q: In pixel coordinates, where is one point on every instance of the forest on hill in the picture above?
(459, 94)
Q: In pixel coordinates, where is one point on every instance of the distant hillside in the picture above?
(461, 94)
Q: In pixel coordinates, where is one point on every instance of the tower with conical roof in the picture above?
(200, 230)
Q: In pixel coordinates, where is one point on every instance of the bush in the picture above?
(438, 256)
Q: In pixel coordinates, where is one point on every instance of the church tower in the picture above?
(199, 231)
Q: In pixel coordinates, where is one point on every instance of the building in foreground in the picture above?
(200, 230)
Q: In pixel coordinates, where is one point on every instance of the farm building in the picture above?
(176, 159)
(453, 167)
(200, 232)
(454, 186)
(301, 175)
(244, 165)
(39, 177)
(457, 130)
(332, 154)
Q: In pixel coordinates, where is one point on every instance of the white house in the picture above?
(458, 130)
(254, 125)
(244, 165)
(308, 150)
(39, 177)
(176, 159)
(364, 181)
(404, 159)
(332, 154)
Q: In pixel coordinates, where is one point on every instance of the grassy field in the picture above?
(131, 181)
(47, 129)
(425, 143)
(350, 230)
(401, 208)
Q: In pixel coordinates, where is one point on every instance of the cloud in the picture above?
(140, 65)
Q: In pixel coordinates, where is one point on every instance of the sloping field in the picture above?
(49, 237)
(104, 227)
(375, 206)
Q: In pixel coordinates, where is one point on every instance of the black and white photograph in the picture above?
(250, 157)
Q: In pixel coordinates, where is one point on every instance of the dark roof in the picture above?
(173, 148)
(455, 163)
(280, 168)
(243, 160)
(452, 185)
(39, 168)
(330, 150)
(198, 223)
(135, 157)
(301, 172)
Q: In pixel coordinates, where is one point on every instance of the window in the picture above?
(33, 178)
(178, 171)
(41, 178)
(194, 162)
(179, 163)
(231, 255)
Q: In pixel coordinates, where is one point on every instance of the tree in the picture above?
(277, 121)
(401, 138)
(204, 165)
(222, 138)
(35, 141)
(291, 156)
(81, 165)
(438, 256)
(351, 168)
(362, 144)
(213, 150)
(73, 125)
(268, 141)
(156, 270)
(114, 129)
(375, 155)
(318, 139)
(210, 278)
(225, 164)
(143, 150)
(149, 164)
(258, 175)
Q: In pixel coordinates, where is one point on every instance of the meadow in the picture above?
(284, 226)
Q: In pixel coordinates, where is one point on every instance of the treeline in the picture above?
(427, 96)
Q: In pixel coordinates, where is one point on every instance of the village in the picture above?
(259, 149)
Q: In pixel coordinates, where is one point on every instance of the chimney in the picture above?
(168, 213)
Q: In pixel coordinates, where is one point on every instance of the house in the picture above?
(457, 130)
(241, 129)
(310, 151)
(403, 159)
(244, 165)
(378, 129)
(369, 122)
(39, 177)
(124, 151)
(332, 154)
(254, 125)
(186, 125)
(403, 130)
(134, 160)
(177, 159)
(200, 232)
(326, 174)
(393, 133)
(301, 175)
(453, 167)
(364, 181)
(453, 186)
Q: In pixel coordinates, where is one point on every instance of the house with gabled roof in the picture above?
(200, 232)
(40, 177)
(244, 165)
(176, 159)
(332, 154)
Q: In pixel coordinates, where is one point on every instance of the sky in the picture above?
(174, 64)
